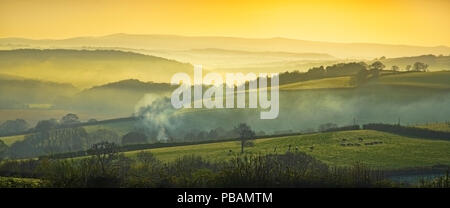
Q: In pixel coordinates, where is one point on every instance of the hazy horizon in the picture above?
(424, 23)
(216, 36)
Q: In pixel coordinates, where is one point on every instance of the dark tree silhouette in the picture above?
(13, 126)
(409, 131)
(92, 120)
(376, 67)
(395, 68)
(46, 125)
(341, 69)
(245, 134)
(69, 119)
(326, 126)
(419, 66)
(361, 77)
(408, 68)
(104, 153)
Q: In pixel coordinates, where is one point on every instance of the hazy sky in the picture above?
(417, 22)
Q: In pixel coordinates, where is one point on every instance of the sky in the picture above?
(411, 22)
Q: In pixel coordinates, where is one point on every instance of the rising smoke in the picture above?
(157, 116)
(303, 110)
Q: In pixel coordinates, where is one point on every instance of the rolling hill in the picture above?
(394, 152)
(35, 100)
(415, 97)
(173, 42)
(214, 58)
(325, 83)
(342, 148)
(435, 63)
(436, 126)
(424, 80)
(19, 93)
(118, 98)
(439, 80)
(87, 68)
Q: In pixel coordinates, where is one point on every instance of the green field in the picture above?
(121, 127)
(395, 151)
(9, 140)
(326, 83)
(429, 80)
(434, 80)
(436, 126)
(11, 182)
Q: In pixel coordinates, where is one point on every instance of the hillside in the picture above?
(133, 85)
(424, 80)
(393, 152)
(35, 100)
(9, 140)
(325, 83)
(173, 42)
(215, 58)
(86, 68)
(119, 98)
(415, 97)
(344, 148)
(439, 80)
(435, 63)
(18, 92)
(436, 126)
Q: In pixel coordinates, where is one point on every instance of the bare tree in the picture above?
(245, 134)
(104, 153)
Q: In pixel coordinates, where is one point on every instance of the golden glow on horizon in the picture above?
(413, 22)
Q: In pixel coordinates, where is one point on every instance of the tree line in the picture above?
(360, 71)
(409, 131)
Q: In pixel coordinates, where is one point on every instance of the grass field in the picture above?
(326, 83)
(431, 80)
(121, 128)
(393, 153)
(9, 140)
(436, 126)
(434, 80)
(11, 182)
